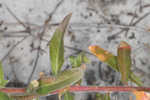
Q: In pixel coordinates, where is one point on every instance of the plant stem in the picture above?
(85, 88)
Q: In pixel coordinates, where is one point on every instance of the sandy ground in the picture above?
(94, 22)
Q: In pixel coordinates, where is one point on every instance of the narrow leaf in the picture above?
(2, 80)
(107, 96)
(102, 96)
(62, 80)
(135, 79)
(124, 61)
(99, 96)
(104, 56)
(111, 60)
(68, 96)
(57, 46)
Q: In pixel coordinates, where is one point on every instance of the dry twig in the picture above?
(40, 38)
(133, 24)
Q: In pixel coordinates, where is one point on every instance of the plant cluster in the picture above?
(63, 82)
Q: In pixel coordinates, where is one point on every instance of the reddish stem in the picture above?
(85, 88)
(13, 90)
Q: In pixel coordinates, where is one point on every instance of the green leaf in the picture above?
(62, 80)
(102, 96)
(135, 79)
(107, 96)
(104, 56)
(111, 60)
(56, 46)
(68, 96)
(76, 61)
(124, 61)
(2, 81)
(4, 96)
(99, 96)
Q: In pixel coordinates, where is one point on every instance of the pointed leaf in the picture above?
(135, 79)
(104, 56)
(68, 96)
(111, 60)
(62, 80)
(99, 96)
(107, 96)
(124, 61)
(102, 96)
(2, 80)
(57, 46)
